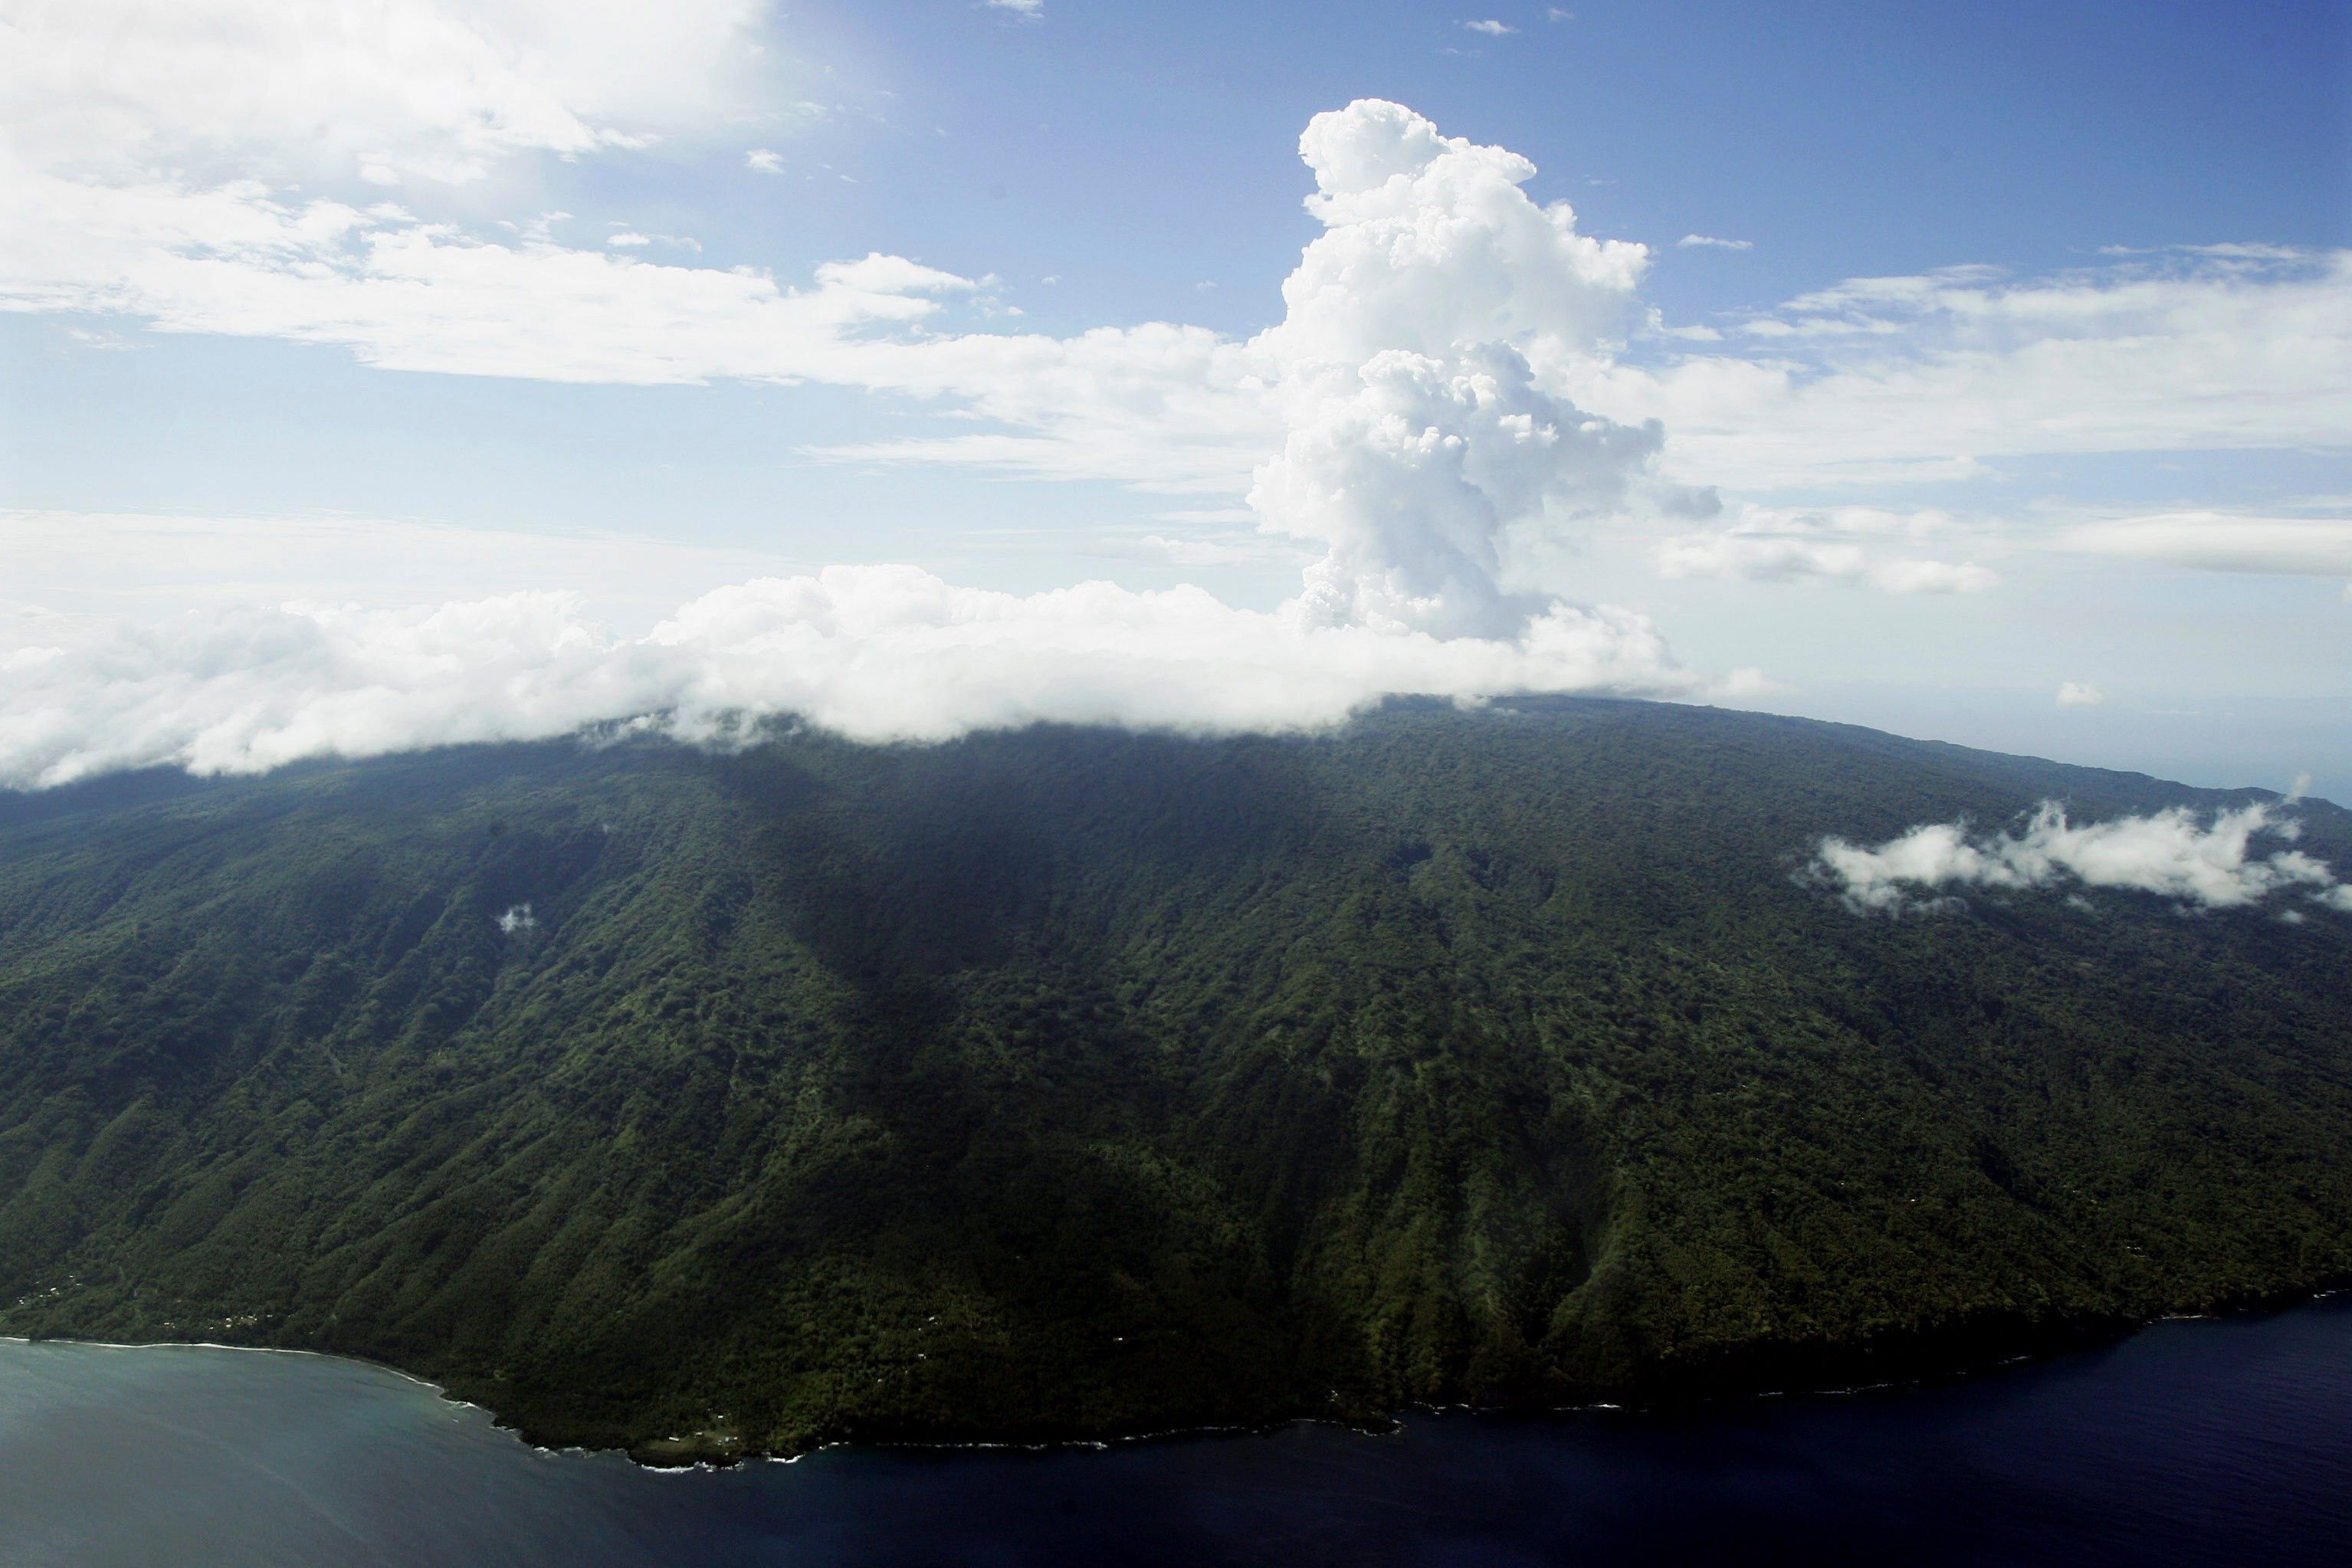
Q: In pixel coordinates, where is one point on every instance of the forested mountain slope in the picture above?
(1072, 1082)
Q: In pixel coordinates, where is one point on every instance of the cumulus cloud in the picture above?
(1418, 434)
(1838, 544)
(1413, 474)
(2080, 694)
(1412, 434)
(2167, 853)
(873, 652)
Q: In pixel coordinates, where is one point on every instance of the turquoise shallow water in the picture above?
(2217, 1442)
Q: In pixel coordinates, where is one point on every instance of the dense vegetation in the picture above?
(1069, 1082)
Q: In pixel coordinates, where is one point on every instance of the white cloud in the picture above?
(1409, 433)
(764, 160)
(1392, 418)
(2223, 542)
(630, 239)
(2165, 852)
(1448, 376)
(93, 567)
(1924, 377)
(1413, 474)
(1430, 248)
(1491, 28)
(1747, 684)
(1230, 551)
(1835, 543)
(1708, 241)
(115, 91)
(1908, 378)
(872, 652)
(1931, 577)
(406, 295)
(2080, 694)
(1031, 9)
(1418, 436)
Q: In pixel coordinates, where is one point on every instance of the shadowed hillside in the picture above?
(1078, 1082)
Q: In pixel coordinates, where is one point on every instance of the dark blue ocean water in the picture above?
(2216, 1442)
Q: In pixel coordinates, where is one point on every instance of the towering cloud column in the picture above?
(1416, 367)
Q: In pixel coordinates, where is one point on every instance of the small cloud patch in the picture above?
(629, 239)
(2167, 853)
(517, 921)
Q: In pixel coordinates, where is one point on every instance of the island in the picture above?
(1064, 1083)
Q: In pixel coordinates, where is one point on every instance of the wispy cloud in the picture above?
(1491, 28)
(119, 88)
(2223, 542)
(1708, 242)
(1844, 544)
(764, 160)
(1924, 378)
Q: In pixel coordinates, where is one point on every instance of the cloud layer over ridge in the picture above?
(875, 653)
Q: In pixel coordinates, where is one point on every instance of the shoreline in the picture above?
(1950, 1372)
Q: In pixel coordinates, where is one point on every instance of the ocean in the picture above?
(2219, 1441)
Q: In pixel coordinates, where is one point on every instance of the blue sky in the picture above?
(2087, 434)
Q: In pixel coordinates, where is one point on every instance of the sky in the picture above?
(390, 373)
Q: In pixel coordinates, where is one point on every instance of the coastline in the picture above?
(1921, 1367)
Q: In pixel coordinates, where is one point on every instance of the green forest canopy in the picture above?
(1076, 1082)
